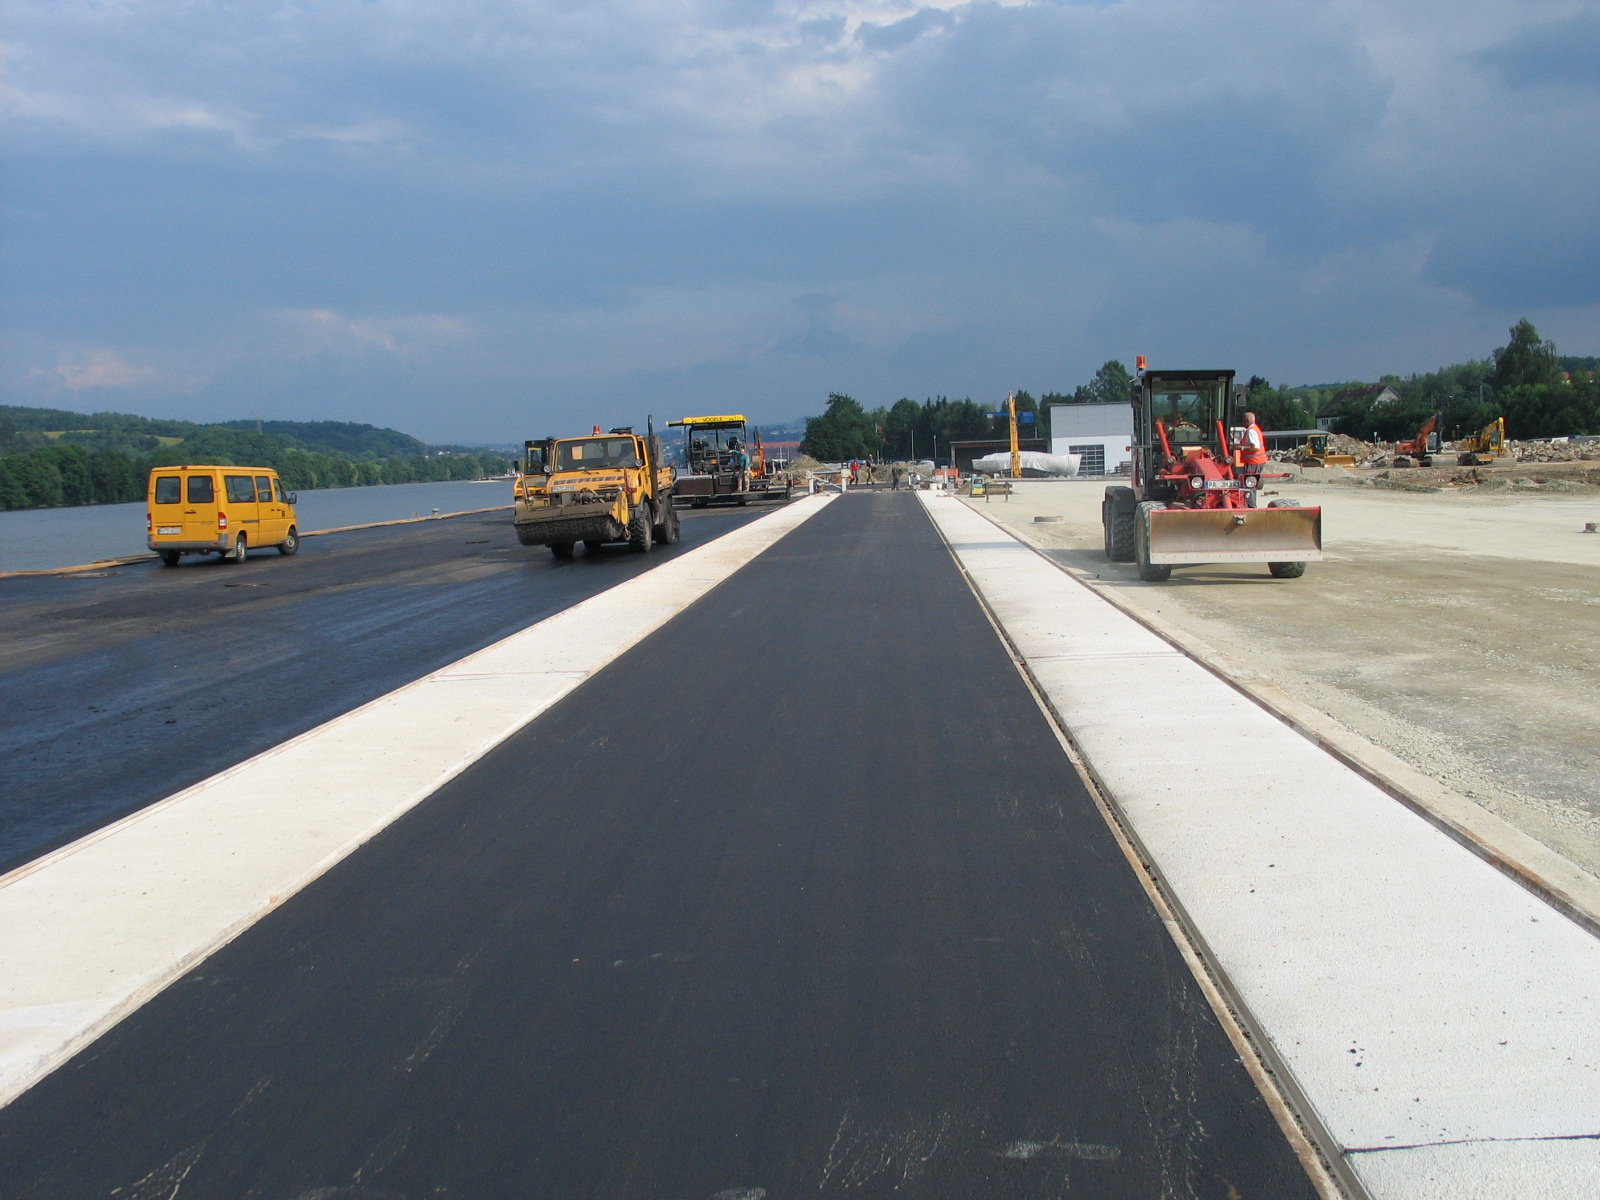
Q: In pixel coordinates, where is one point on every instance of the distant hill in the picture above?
(338, 437)
(51, 456)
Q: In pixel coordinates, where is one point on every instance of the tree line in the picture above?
(1540, 393)
(908, 430)
(43, 472)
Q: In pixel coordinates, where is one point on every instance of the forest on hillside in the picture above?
(1540, 393)
(53, 457)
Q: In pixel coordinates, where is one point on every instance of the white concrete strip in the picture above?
(1439, 1018)
(93, 930)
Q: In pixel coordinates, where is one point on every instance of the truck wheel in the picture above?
(237, 554)
(290, 543)
(639, 539)
(561, 549)
(667, 532)
(169, 558)
(1148, 571)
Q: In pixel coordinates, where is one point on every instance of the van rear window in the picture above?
(241, 489)
(169, 490)
(201, 491)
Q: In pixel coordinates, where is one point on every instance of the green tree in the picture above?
(1111, 383)
(1275, 408)
(840, 433)
(1526, 361)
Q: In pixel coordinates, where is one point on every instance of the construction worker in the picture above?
(1252, 453)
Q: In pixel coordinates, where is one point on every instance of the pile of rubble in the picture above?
(1552, 452)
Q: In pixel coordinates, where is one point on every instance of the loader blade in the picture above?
(1185, 535)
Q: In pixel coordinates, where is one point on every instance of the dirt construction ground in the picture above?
(1459, 632)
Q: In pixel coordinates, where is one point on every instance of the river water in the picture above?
(41, 538)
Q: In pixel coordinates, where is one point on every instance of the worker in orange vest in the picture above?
(1252, 452)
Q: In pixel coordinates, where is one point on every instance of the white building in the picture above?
(1101, 435)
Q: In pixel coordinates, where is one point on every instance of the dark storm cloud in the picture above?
(446, 216)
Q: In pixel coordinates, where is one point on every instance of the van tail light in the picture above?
(149, 524)
(222, 519)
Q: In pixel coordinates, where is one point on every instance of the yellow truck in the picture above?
(607, 487)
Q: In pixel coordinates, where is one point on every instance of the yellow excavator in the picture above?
(1484, 446)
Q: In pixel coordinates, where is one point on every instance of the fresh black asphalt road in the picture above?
(122, 686)
(799, 897)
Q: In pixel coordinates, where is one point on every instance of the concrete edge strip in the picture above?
(96, 928)
(127, 560)
(1317, 1149)
(1556, 880)
(1426, 970)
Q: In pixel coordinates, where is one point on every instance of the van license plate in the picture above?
(170, 530)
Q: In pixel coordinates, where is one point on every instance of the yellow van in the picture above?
(227, 511)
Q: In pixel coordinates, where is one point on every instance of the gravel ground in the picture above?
(1456, 631)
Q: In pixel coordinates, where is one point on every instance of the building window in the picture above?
(1092, 458)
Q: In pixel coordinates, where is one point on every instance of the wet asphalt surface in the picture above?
(123, 686)
(799, 897)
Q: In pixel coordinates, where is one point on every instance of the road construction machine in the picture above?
(1315, 454)
(1191, 498)
(607, 487)
(1488, 444)
(725, 463)
(1419, 451)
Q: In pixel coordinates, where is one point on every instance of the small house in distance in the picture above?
(1372, 393)
(1101, 435)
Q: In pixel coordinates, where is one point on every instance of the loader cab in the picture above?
(1188, 405)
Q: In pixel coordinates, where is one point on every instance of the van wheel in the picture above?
(169, 558)
(291, 543)
(236, 555)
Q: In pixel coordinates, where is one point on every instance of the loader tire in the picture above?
(561, 549)
(639, 529)
(1148, 571)
(1118, 520)
(1286, 570)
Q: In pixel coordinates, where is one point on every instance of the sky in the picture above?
(485, 220)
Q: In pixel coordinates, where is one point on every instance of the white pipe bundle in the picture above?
(1035, 460)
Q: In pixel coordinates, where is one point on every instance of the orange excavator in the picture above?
(1419, 451)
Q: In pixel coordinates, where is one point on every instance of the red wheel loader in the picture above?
(1190, 500)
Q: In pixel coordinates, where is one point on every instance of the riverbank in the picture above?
(93, 536)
